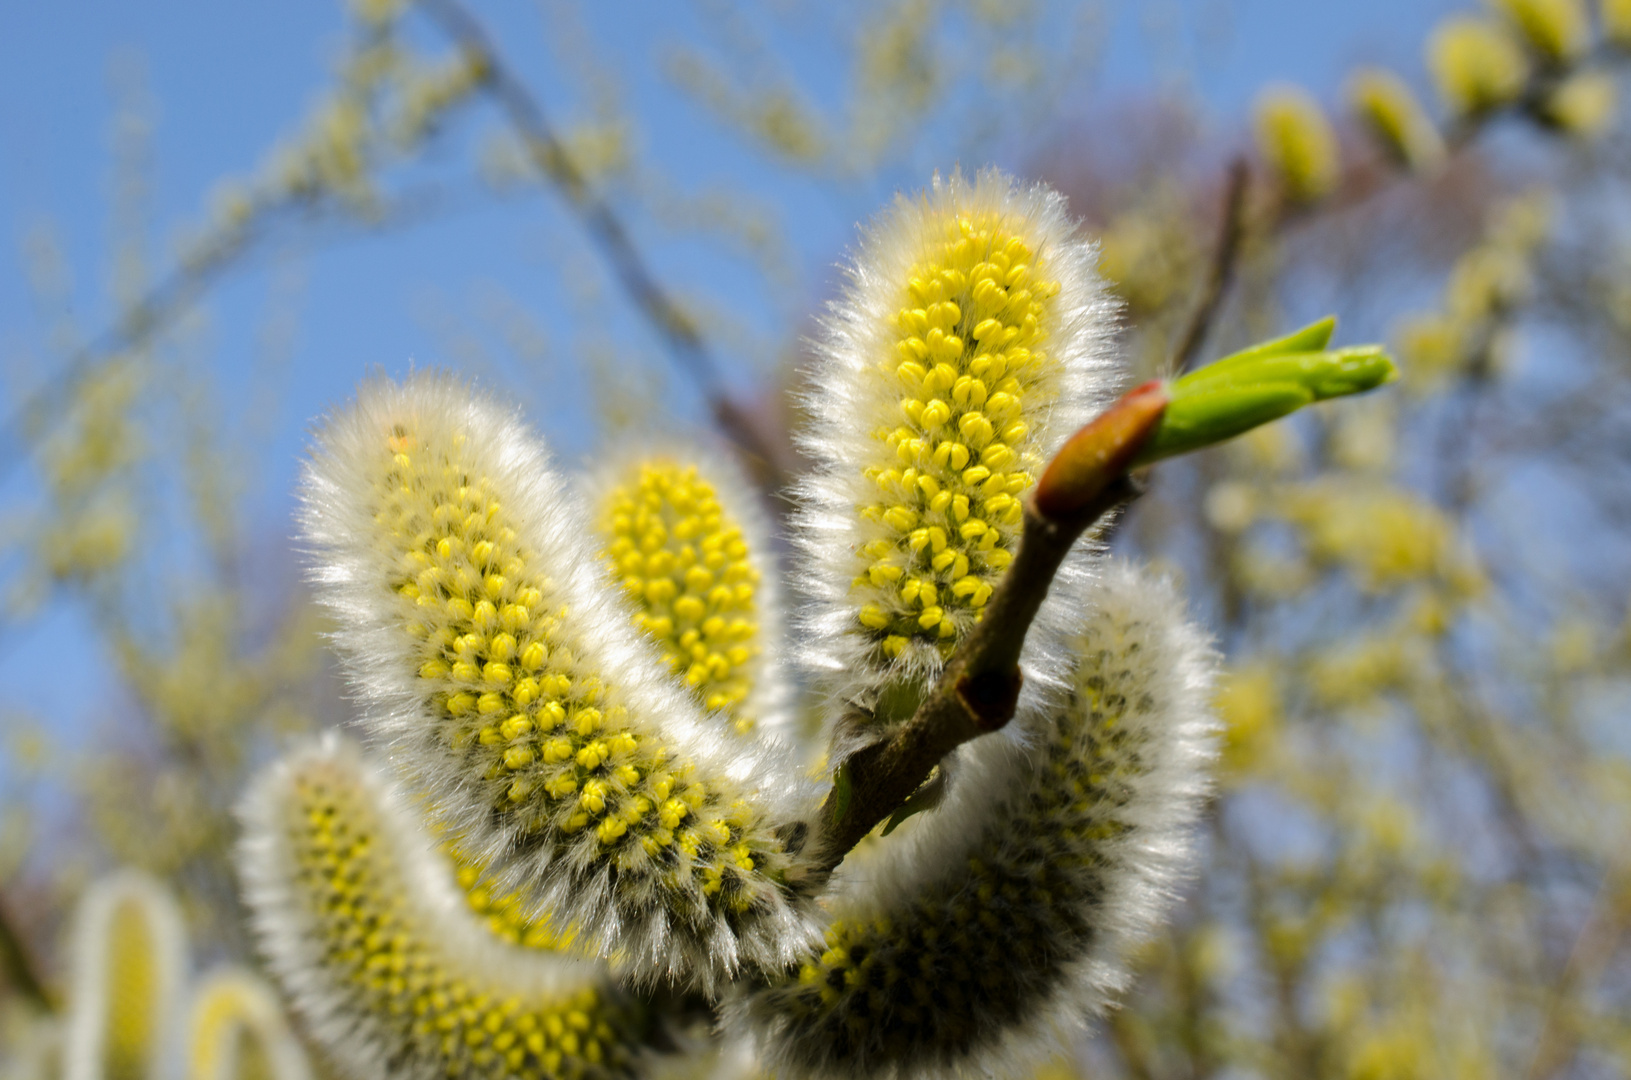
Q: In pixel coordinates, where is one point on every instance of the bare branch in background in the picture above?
(18, 963)
(685, 345)
(1222, 269)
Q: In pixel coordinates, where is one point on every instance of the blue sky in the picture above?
(228, 79)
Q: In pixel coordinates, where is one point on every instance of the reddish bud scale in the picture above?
(1100, 452)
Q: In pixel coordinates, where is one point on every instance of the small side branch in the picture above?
(678, 333)
(1222, 270)
(18, 963)
(977, 692)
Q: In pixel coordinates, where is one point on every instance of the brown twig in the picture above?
(1222, 271)
(690, 353)
(1599, 937)
(18, 963)
(977, 692)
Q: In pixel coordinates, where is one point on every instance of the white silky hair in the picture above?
(252, 1006)
(86, 1027)
(846, 409)
(772, 701)
(1170, 665)
(350, 572)
(294, 946)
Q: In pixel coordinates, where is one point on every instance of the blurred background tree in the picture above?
(1417, 860)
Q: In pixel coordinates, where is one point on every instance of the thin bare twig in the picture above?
(18, 963)
(1222, 270)
(690, 353)
(1599, 936)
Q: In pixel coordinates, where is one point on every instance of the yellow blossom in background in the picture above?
(1475, 64)
(1385, 535)
(1297, 142)
(1558, 30)
(1583, 104)
(1248, 703)
(1355, 674)
(1390, 110)
(1430, 348)
(1615, 16)
(1145, 260)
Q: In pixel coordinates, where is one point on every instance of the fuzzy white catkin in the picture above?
(129, 965)
(494, 659)
(1006, 914)
(359, 917)
(974, 335)
(237, 1031)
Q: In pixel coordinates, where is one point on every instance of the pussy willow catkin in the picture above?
(480, 630)
(685, 540)
(130, 961)
(1009, 910)
(973, 337)
(237, 1031)
(358, 916)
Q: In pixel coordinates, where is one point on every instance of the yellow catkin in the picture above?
(499, 662)
(1475, 64)
(1615, 16)
(1296, 140)
(1558, 30)
(391, 967)
(686, 568)
(131, 946)
(131, 978)
(238, 1032)
(971, 349)
(1396, 119)
(1583, 104)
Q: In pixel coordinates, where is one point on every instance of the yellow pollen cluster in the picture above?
(131, 989)
(505, 914)
(686, 568)
(551, 740)
(978, 951)
(387, 963)
(968, 367)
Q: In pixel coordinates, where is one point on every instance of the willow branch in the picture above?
(978, 690)
(18, 963)
(679, 334)
(1222, 270)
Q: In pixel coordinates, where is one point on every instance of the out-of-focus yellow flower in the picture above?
(1573, 646)
(1355, 674)
(1583, 104)
(376, 12)
(1476, 65)
(1386, 535)
(1231, 506)
(1248, 702)
(1296, 140)
(1363, 438)
(1486, 282)
(1430, 347)
(1556, 29)
(1615, 16)
(1144, 261)
(1397, 120)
